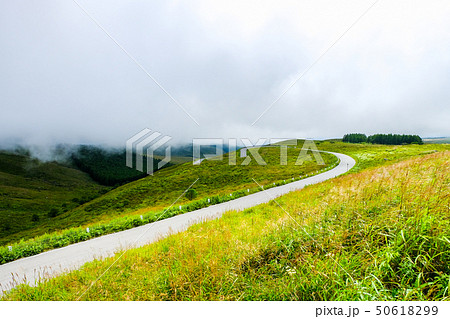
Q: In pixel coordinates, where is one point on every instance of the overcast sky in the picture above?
(63, 80)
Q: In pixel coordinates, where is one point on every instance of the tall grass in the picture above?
(380, 234)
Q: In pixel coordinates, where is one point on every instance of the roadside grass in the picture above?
(372, 155)
(380, 234)
(149, 199)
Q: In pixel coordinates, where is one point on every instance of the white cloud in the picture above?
(64, 80)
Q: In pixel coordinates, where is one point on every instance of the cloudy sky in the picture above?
(63, 79)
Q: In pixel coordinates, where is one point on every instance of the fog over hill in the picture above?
(356, 68)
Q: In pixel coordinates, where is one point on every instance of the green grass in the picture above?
(122, 207)
(29, 187)
(382, 233)
(372, 155)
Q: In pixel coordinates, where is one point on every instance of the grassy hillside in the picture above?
(32, 193)
(380, 234)
(154, 193)
(371, 155)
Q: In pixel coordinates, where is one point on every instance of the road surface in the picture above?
(54, 262)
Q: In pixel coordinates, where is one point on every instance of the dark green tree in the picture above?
(394, 139)
(108, 166)
(355, 138)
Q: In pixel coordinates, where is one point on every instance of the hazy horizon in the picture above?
(371, 69)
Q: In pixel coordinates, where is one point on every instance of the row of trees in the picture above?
(387, 139)
(355, 138)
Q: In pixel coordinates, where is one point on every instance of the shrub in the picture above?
(53, 212)
(191, 194)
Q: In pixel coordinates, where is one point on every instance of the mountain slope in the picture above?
(33, 193)
(381, 234)
(154, 193)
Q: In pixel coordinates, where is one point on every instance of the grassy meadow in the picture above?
(120, 208)
(381, 232)
(372, 155)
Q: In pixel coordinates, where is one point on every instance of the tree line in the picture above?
(107, 167)
(387, 139)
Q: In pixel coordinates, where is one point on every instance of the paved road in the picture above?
(57, 261)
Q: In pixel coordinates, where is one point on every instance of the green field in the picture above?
(157, 192)
(371, 155)
(381, 232)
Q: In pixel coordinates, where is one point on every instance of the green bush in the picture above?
(35, 218)
(53, 212)
(191, 194)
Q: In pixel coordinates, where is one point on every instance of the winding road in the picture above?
(54, 262)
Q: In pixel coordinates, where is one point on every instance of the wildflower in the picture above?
(291, 271)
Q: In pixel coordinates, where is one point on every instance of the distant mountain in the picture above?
(437, 140)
